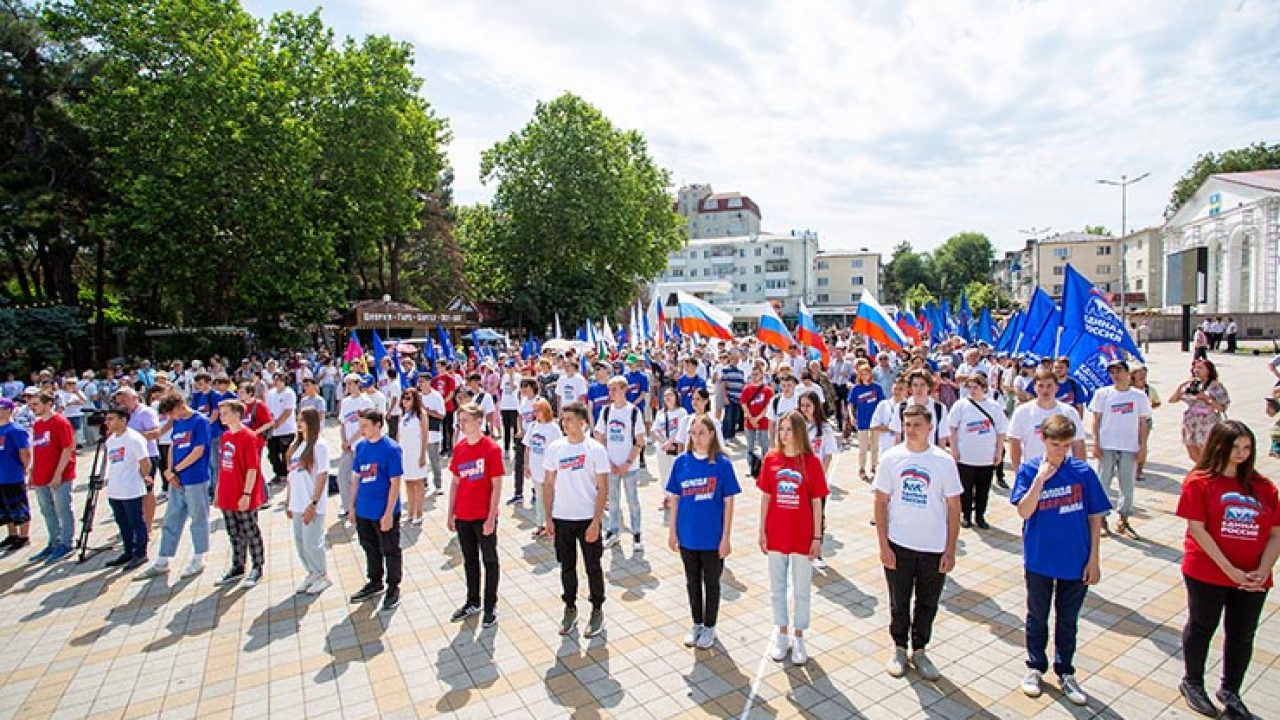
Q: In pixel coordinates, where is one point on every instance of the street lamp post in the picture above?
(386, 310)
(1123, 183)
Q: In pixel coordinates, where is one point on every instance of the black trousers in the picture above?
(842, 405)
(917, 574)
(570, 535)
(475, 547)
(976, 481)
(277, 449)
(509, 429)
(393, 426)
(381, 550)
(446, 433)
(702, 569)
(1239, 610)
(518, 471)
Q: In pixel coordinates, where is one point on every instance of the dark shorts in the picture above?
(14, 506)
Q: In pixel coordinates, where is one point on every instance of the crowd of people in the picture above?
(933, 427)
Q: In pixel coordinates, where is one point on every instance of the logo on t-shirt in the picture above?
(1122, 408)
(1240, 516)
(1067, 499)
(703, 488)
(228, 455)
(787, 491)
(915, 485)
(537, 443)
(866, 397)
(573, 462)
(978, 427)
(41, 440)
(471, 470)
(368, 472)
(115, 455)
(181, 440)
(617, 431)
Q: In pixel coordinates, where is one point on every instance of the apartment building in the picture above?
(708, 214)
(1143, 268)
(762, 267)
(840, 276)
(1096, 257)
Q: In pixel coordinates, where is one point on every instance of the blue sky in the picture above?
(871, 122)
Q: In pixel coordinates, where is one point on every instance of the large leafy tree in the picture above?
(582, 214)
(1258, 156)
(905, 270)
(963, 258)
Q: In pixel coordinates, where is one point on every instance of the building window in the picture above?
(1104, 269)
(855, 263)
(757, 252)
(706, 272)
(775, 284)
(1137, 285)
(693, 254)
(1104, 249)
(1062, 252)
(742, 287)
(757, 267)
(677, 272)
(1057, 269)
(706, 254)
(779, 251)
(856, 280)
(824, 282)
(742, 252)
(709, 204)
(822, 298)
(1139, 263)
(822, 265)
(735, 203)
(1057, 289)
(854, 297)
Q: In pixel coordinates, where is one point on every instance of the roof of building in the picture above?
(760, 237)
(722, 202)
(1073, 237)
(846, 253)
(1261, 179)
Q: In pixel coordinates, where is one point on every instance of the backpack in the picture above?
(937, 417)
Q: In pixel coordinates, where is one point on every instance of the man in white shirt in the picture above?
(620, 428)
(574, 492)
(369, 387)
(972, 365)
(1120, 414)
(917, 506)
(1025, 441)
(920, 383)
(390, 387)
(282, 401)
(128, 462)
(433, 405)
(781, 404)
(571, 387)
(349, 417)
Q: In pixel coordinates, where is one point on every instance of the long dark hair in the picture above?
(1208, 365)
(310, 418)
(415, 402)
(1217, 454)
(819, 412)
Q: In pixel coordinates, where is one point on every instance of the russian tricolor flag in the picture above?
(772, 332)
(694, 315)
(807, 334)
(874, 322)
(908, 326)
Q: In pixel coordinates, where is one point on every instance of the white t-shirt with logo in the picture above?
(823, 442)
(1024, 426)
(302, 483)
(780, 405)
(918, 485)
(124, 452)
(1122, 412)
(510, 387)
(623, 429)
(278, 401)
(884, 414)
(433, 402)
(538, 437)
(349, 414)
(570, 389)
(576, 467)
(976, 434)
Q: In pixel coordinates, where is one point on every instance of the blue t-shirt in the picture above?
(685, 387)
(637, 388)
(1071, 392)
(702, 485)
(188, 435)
(864, 399)
(12, 440)
(1055, 540)
(598, 397)
(374, 466)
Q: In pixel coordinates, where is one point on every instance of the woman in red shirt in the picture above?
(1232, 542)
(755, 404)
(793, 486)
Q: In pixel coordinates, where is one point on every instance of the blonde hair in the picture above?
(542, 410)
(799, 432)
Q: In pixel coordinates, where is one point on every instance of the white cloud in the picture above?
(869, 122)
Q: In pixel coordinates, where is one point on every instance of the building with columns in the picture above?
(1236, 217)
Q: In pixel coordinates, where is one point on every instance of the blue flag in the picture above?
(379, 352)
(446, 345)
(966, 318)
(1009, 333)
(1041, 314)
(984, 330)
(429, 354)
(1086, 310)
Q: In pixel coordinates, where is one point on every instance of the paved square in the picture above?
(83, 641)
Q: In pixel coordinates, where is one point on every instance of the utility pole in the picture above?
(1123, 183)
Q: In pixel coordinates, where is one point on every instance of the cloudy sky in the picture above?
(869, 121)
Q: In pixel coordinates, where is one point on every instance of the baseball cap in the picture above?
(632, 359)
(1135, 366)
(6, 404)
(125, 390)
(1118, 363)
(1030, 361)
(31, 390)
(366, 380)
(351, 377)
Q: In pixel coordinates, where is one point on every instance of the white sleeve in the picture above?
(951, 486)
(1075, 417)
(321, 464)
(1002, 421)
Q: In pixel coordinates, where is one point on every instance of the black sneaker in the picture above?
(134, 564)
(569, 621)
(232, 577)
(8, 542)
(117, 561)
(370, 590)
(464, 612)
(20, 543)
(595, 625)
(515, 500)
(965, 523)
(1197, 699)
(391, 600)
(1000, 483)
(490, 618)
(1233, 708)
(982, 524)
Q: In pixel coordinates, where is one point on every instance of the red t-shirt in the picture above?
(49, 438)
(476, 465)
(255, 417)
(791, 483)
(444, 383)
(1240, 524)
(241, 452)
(756, 399)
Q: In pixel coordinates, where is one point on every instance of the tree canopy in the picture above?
(1258, 156)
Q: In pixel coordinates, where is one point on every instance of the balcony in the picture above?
(778, 292)
(778, 275)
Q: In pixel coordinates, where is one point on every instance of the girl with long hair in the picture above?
(414, 440)
(308, 483)
(823, 443)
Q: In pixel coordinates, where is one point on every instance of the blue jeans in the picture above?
(758, 439)
(731, 419)
(187, 501)
(330, 399)
(1067, 597)
(133, 529)
(617, 483)
(55, 506)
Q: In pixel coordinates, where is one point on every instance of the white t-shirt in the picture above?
(484, 400)
(433, 402)
(814, 388)
(570, 389)
(939, 431)
(124, 478)
(349, 413)
(976, 434)
(686, 422)
(823, 443)
(918, 485)
(965, 370)
(883, 416)
(390, 388)
(377, 400)
(576, 467)
(510, 386)
(780, 405)
(302, 484)
(1121, 414)
(623, 429)
(667, 424)
(538, 436)
(278, 401)
(1024, 426)
(72, 406)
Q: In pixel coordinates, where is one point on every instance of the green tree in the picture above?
(905, 269)
(1258, 156)
(917, 296)
(1097, 230)
(963, 258)
(983, 294)
(585, 213)
(477, 232)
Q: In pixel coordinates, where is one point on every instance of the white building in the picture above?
(840, 276)
(1236, 216)
(1144, 268)
(763, 267)
(709, 214)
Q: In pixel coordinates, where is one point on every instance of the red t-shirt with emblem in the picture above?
(1240, 524)
(476, 466)
(240, 452)
(48, 439)
(756, 398)
(445, 383)
(792, 484)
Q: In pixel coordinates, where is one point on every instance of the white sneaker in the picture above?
(610, 539)
(819, 564)
(707, 639)
(306, 583)
(691, 638)
(193, 568)
(925, 666)
(896, 665)
(153, 571)
(637, 546)
(1071, 688)
(799, 655)
(319, 585)
(1031, 683)
(781, 644)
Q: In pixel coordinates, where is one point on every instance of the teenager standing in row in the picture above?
(240, 493)
(473, 510)
(308, 478)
